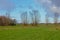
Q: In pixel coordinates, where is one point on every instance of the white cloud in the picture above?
(55, 9)
(51, 5)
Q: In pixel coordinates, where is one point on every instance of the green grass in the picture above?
(29, 33)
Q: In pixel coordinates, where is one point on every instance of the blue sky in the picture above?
(16, 7)
(27, 5)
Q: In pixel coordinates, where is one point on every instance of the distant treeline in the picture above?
(34, 16)
(5, 21)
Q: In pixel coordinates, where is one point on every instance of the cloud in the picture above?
(56, 2)
(7, 5)
(55, 9)
(51, 5)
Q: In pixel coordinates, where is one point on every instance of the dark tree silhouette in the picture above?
(5, 21)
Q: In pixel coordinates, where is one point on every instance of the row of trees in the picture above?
(55, 17)
(35, 17)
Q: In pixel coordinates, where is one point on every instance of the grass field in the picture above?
(29, 33)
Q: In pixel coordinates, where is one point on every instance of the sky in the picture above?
(16, 7)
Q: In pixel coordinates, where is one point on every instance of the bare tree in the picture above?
(47, 20)
(24, 18)
(35, 17)
(32, 18)
(4, 21)
(56, 18)
(8, 16)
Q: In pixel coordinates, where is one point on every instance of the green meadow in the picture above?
(41, 32)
